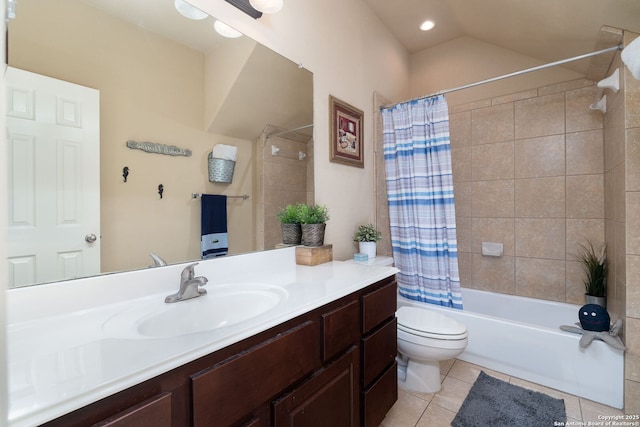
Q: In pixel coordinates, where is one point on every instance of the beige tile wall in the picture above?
(282, 179)
(529, 173)
(539, 172)
(622, 157)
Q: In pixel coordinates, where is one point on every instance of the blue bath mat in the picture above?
(496, 403)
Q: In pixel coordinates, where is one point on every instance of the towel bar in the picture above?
(243, 197)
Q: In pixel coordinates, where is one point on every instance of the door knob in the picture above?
(90, 238)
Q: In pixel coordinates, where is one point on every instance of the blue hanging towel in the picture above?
(214, 238)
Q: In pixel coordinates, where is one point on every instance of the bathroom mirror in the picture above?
(163, 79)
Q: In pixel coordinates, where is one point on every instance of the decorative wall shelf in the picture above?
(153, 147)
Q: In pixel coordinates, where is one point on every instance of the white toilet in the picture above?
(426, 337)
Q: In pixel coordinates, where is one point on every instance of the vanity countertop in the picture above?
(62, 356)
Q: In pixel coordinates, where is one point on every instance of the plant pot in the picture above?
(592, 299)
(368, 248)
(313, 234)
(291, 234)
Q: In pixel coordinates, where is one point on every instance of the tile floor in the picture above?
(438, 410)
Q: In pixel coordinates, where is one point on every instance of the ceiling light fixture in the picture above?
(189, 11)
(427, 25)
(244, 6)
(267, 6)
(226, 31)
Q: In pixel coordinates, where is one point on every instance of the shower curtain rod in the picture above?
(269, 135)
(516, 73)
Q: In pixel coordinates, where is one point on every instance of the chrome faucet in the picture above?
(157, 260)
(189, 285)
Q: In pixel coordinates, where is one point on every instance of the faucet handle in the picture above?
(188, 272)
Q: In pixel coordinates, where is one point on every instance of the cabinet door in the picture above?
(329, 398)
(229, 392)
(155, 412)
(380, 397)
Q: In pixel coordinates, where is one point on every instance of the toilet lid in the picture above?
(422, 321)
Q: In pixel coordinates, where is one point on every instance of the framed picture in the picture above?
(346, 133)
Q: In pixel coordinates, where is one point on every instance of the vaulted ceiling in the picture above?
(548, 30)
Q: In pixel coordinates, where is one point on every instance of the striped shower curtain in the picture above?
(417, 158)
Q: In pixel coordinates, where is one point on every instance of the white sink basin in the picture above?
(222, 306)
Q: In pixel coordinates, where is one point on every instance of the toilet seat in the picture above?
(429, 324)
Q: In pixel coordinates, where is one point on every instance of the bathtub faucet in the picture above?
(189, 285)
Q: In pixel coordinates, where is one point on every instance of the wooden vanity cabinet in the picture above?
(333, 366)
(379, 373)
(228, 392)
(328, 398)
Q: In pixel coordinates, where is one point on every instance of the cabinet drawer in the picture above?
(231, 390)
(154, 412)
(378, 306)
(340, 329)
(379, 350)
(380, 397)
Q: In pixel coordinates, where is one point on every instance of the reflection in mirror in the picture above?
(150, 75)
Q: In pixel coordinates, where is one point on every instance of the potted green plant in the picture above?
(313, 220)
(289, 218)
(367, 237)
(595, 265)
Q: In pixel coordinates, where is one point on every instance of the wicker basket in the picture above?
(220, 170)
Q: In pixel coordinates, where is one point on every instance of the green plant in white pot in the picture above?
(367, 237)
(595, 265)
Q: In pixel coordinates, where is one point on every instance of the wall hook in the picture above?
(125, 173)
(160, 190)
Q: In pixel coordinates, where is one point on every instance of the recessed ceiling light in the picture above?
(189, 11)
(427, 25)
(225, 30)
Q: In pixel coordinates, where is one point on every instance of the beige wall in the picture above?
(222, 71)
(467, 60)
(132, 67)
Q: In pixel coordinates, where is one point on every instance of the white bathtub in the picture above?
(521, 337)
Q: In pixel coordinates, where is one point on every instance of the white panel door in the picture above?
(54, 179)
